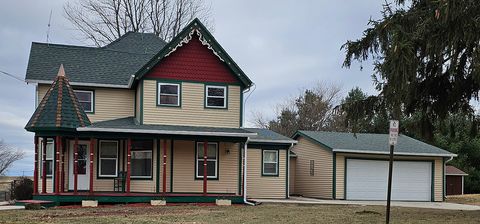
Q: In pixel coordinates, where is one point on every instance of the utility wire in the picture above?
(12, 76)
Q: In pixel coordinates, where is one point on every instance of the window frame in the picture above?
(179, 94)
(49, 141)
(225, 97)
(217, 161)
(151, 160)
(99, 160)
(92, 99)
(276, 174)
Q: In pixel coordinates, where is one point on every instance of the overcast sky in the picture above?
(283, 46)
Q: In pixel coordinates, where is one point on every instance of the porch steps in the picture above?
(39, 202)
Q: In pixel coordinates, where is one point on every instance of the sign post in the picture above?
(393, 137)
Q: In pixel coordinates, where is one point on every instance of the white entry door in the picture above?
(367, 180)
(83, 181)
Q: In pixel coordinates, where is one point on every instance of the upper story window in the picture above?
(85, 98)
(216, 96)
(168, 94)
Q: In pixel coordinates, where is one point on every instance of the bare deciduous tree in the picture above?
(8, 155)
(312, 109)
(103, 21)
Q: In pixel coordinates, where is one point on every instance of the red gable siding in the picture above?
(193, 62)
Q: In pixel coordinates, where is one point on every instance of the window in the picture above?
(85, 98)
(312, 167)
(215, 97)
(212, 160)
(270, 163)
(168, 94)
(141, 159)
(82, 159)
(49, 158)
(108, 158)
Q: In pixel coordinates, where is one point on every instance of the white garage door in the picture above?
(367, 180)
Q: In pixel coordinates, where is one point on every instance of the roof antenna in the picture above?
(48, 26)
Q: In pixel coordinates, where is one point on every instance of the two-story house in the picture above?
(141, 119)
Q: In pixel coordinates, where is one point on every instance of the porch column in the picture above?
(35, 169)
(164, 177)
(57, 148)
(205, 151)
(44, 165)
(129, 148)
(75, 165)
(92, 150)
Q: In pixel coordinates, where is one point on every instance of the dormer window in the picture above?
(168, 94)
(85, 98)
(216, 97)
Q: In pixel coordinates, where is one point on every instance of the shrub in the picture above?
(22, 189)
(31, 206)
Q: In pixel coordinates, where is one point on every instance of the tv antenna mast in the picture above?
(48, 26)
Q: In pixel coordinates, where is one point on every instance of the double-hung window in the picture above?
(85, 98)
(270, 163)
(141, 159)
(216, 96)
(168, 94)
(108, 158)
(49, 157)
(212, 160)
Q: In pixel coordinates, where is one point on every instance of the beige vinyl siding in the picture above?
(319, 185)
(192, 111)
(438, 179)
(138, 111)
(49, 184)
(184, 169)
(292, 167)
(259, 186)
(109, 103)
(339, 177)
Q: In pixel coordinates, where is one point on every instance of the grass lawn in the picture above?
(469, 199)
(267, 213)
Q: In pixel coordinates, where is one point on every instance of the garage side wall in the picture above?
(315, 183)
(340, 172)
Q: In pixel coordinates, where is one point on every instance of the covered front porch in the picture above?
(187, 165)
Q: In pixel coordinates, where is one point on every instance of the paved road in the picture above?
(432, 205)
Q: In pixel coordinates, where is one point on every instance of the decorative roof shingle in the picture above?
(59, 108)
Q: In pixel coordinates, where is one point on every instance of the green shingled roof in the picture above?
(133, 54)
(265, 135)
(371, 143)
(128, 125)
(113, 64)
(59, 108)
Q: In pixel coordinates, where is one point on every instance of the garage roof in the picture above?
(372, 143)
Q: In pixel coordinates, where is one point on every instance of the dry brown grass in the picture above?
(267, 213)
(469, 199)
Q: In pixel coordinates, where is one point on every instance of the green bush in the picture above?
(33, 206)
(22, 189)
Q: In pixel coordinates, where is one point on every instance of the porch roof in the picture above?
(129, 125)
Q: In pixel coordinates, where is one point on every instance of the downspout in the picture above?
(444, 178)
(245, 174)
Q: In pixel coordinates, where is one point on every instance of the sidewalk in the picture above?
(430, 205)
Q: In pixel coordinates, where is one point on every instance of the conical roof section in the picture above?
(59, 108)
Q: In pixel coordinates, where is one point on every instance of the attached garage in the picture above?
(335, 165)
(367, 180)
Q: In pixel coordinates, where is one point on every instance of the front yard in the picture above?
(267, 213)
(469, 199)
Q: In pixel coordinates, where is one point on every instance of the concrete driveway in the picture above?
(431, 205)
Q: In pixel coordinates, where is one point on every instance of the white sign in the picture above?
(393, 133)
